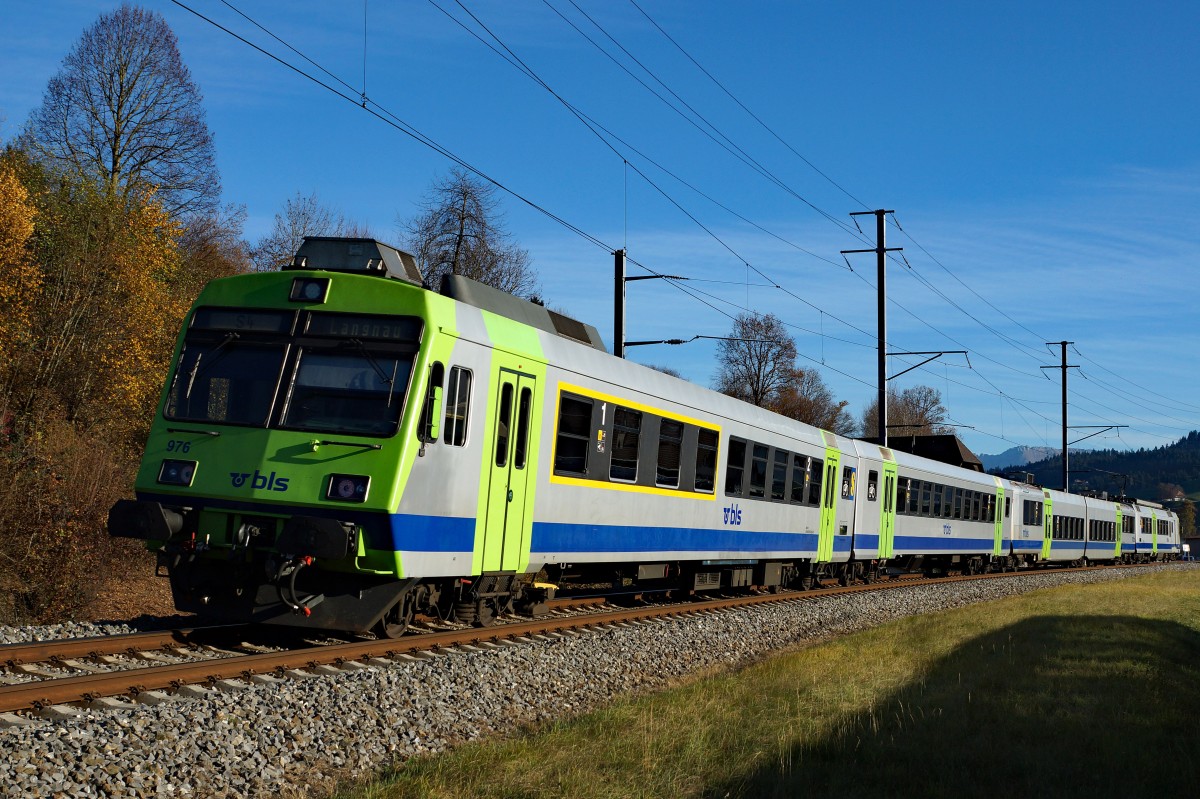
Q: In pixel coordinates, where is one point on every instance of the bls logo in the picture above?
(259, 481)
(733, 515)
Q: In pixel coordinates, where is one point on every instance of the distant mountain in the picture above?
(1017, 456)
(1159, 473)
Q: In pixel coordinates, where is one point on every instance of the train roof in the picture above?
(499, 302)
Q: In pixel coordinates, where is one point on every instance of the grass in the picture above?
(1080, 691)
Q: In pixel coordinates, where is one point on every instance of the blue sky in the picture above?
(1041, 158)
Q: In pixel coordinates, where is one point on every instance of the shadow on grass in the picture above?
(1053, 706)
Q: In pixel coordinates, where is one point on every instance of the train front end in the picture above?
(283, 439)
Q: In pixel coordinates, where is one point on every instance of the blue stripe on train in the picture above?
(559, 538)
(444, 534)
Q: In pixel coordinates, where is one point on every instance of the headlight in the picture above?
(309, 289)
(348, 487)
(177, 473)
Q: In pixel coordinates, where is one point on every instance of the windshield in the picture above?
(349, 389)
(226, 381)
(313, 370)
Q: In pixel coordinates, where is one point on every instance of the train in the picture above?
(340, 447)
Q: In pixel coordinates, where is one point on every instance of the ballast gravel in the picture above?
(298, 737)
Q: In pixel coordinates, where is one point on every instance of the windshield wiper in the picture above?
(366, 353)
(195, 371)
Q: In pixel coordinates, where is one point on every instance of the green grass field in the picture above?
(1080, 691)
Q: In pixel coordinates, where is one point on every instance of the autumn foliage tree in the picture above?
(109, 226)
(88, 276)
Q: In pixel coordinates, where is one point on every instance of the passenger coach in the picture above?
(339, 447)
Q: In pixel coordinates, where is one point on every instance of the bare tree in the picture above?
(301, 216)
(124, 110)
(915, 411)
(806, 398)
(460, 231)
(757, 360)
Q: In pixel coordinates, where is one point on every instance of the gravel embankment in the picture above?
(297, 737)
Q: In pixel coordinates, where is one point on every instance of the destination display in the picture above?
(366, 326)
(248, 321)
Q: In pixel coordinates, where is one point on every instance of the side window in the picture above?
(433, 398)
(758, 472)
(938, 492)
(926, 492)
(735, 467)
(872, 485)
(816, 474)
(799, 478)
(706, 460)
(902, 496)
(458, 406)
(847, 482)
(779, 470)
(574, 435)
(670, 445)
(1007, 507)
(627, 432)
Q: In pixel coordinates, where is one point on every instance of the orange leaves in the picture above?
(19, 278)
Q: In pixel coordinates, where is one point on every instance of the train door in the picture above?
(887, 517)
(829, 498)
(1047, 525)
(505, 532)
(1119, 531)
(998, 541)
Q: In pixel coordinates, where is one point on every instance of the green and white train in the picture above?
(341, 448)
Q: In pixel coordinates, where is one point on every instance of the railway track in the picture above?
(54, 677)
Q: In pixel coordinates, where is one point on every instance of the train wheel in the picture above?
(396, 620)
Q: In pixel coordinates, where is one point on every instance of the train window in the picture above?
(574, 437)
(706, 460)
(503, 424)
(799, 478)
(458, 401)
(938, 491)
(1007, 507)
(847, 482)
(735, 467)
(524, 407)
(914, 496)
(779, 475)
(1057, 534)
(947, 502)
(627, 432)
(976, 506)
(758, 471)
(1032, 513)
(926, 497)
(872, 485)
(432, 411)
(670, 446)
(958, 503)
(816, 475)
(902, 496)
